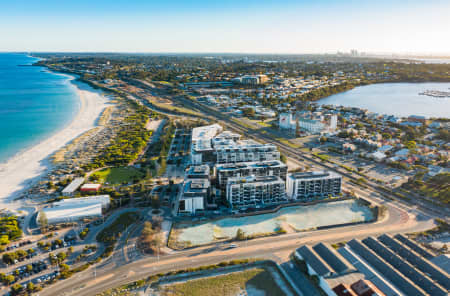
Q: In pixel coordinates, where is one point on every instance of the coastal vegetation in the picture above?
(129, 142)
(112, 232)
(9, 230)
(230, 284)
(323, 92)
(124, 290)
(435, 187)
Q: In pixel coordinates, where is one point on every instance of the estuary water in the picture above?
(34, 103)
(399, 99)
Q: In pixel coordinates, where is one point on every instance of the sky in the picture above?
(235, 26)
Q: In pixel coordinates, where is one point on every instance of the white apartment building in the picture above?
(211, 145)
(311, 124)
(254, 191)
(244, 169)
(246, 151)
(201, 146)
(308, 185)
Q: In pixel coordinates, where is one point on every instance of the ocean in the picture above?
(34, 103)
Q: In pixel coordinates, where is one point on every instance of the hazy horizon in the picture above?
(250, 27)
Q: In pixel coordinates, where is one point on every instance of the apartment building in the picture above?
(265, 168)
(254, 191)
(308, 185)
(306, 121)
(201, 146)
(245, 151)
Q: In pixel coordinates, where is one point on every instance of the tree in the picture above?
(16, 289)
(43, 221)
(9, 279)
(61, 257)
(30, 287)
(8, 258)
(155, 202)
(240, 235)
(248, 112)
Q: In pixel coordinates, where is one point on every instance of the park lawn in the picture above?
(252, 280)
(119, 175)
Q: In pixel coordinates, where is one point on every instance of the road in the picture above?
(110, 274)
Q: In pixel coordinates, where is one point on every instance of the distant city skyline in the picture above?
(282, 27)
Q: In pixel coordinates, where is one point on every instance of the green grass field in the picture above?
(118, 175)
(257, 281)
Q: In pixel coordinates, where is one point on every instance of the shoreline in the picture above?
(27, 167)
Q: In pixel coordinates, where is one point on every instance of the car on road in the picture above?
(232, 246)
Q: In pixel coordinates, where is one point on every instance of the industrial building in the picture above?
(373, 266)
(70, 189)
(324, 262)
(395, 268)
(264, 168)
(309, 185)
(254, 191)
(75, 209)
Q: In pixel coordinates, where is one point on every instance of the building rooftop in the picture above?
(254, 179)
(201, 136)
(197, 170)
(259, 164)
(315, 261)
(314, 175)
(73, 186)
(333, 258)
(196, 186)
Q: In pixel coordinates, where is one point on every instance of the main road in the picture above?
(116, 272)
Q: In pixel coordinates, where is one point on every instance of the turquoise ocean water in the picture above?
(34, 103)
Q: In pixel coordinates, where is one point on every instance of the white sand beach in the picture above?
(25, 168)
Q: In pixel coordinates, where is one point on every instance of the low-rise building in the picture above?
(75, 209)
(302, 186)
(197, 172)
(72, 187)
(90, 187)
(254, 191)
(193, 196)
